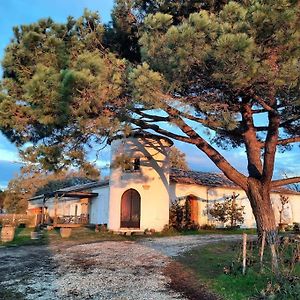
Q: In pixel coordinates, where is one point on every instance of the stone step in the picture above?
(129, 232)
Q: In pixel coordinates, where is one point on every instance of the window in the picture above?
(132, 165)
(136, 164)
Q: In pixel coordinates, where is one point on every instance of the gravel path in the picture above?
(122, 270)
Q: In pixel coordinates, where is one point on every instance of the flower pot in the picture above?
(34, 235)
(7, 233)
(65, 232)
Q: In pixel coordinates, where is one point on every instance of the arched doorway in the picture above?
(194, 208)
(130, 209)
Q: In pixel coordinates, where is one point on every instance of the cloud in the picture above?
(287, 163)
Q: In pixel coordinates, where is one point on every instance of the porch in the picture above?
(70, 209)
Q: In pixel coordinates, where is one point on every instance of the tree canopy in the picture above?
(190, 64)
(177, 159)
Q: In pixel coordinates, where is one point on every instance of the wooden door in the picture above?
(130, 209)
(194, 208)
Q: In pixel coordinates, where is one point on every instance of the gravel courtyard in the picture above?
(120, 270)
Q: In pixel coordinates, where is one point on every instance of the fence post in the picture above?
(244, 252)
(261, 254)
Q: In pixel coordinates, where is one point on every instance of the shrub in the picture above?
(228, 210)
(208, 226)
(296, 227)
(180, 216)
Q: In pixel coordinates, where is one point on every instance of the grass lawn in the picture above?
(81, 234)
(208, 264)
(221, 231)
(85, 235)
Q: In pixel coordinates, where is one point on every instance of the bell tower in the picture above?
(139, 182)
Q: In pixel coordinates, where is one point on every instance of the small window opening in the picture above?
(136, 164)
(132, 165)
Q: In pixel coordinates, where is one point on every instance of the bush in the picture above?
(228, 210)
(281, 289)
(180, 216)
(208, 227)
(296, 227)
(169, 230)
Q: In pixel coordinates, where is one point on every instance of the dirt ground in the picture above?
(123, 270)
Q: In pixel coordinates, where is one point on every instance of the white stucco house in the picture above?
(138, 193)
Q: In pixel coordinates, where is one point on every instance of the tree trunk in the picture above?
(259, 196)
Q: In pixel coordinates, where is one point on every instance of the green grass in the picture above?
(82, 235)
(208, 264)
(22, 237)
(221, 231)
(86, 235)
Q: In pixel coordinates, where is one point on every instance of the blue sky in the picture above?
(17, 12)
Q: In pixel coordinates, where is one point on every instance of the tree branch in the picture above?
(252, 144)
(157, 129)
(285, 181)
(218, 159)
(267, 107)
(149, 116)
(207, 123)
(295, 139)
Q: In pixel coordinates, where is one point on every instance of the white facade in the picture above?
(151, 181)
(207, 196)
(98, 208)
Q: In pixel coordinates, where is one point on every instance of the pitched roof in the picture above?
(200, 178)
(213, 180)
(56, 185)
(72, 189)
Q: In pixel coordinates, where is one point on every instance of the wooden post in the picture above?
(261, 254)
(76, 219)
(55, 208)
(36, 220)
(244, 252)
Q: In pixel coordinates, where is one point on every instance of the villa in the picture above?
(138, 193)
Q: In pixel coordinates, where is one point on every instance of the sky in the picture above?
(17, 12)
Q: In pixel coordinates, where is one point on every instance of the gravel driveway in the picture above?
(105, 270)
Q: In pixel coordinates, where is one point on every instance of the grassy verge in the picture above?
(80, 235)
(221, 231)
(22, 237)
(85, 235)
(208, 264)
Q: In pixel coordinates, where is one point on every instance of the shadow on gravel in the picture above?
(26, 272)
(186, 282)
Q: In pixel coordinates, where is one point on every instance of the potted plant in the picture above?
(65, 232)
(34, 235)
(8, 229)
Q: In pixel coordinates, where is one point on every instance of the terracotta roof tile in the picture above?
(201, 178)
(214, 180)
